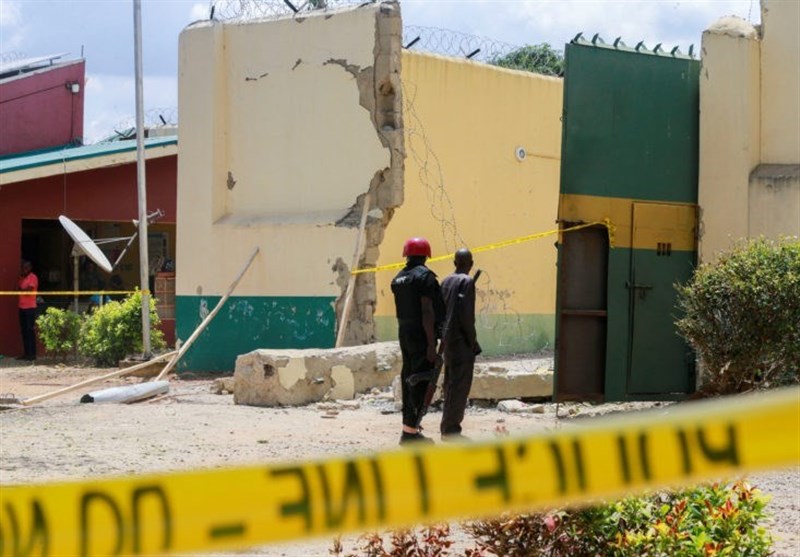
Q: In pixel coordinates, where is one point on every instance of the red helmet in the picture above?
(416, 246)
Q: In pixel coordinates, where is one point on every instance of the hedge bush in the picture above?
(742, 316)
(59, 331)
(114, 330)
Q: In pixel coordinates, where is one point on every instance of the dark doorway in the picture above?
(582, 314)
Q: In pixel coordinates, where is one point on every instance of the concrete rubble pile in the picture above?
(300, 377)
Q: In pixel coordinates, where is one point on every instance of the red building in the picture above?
(93, 185)
(41, 104)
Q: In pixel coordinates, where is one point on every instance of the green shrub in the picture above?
(742, 316)
(715, 519)
(114, 330)
(59, 330)
(703, 521)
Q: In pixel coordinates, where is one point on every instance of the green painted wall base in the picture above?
(247, 323)
(497, 334)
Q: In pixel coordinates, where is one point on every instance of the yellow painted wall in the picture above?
(274, 149)
(464, 186)
(780, 82)
(749, 121)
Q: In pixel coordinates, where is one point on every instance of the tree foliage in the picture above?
(541, 58)
(742, 316)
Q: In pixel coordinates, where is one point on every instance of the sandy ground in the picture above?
(62, 439)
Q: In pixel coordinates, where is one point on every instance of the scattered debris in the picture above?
(222, 386)
(336, 405)
(127, 394)
(519, 407)
(9, 398)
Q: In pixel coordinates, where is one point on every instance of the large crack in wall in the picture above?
(380, 94)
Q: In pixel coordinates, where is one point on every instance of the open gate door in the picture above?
(582, 315)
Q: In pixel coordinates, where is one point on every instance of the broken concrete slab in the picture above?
(505, 380)
(298, 377)
(512, 379)
(338, 405)
(519, 407)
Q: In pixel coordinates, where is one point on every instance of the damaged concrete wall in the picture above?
(483, 151)
(287, 127)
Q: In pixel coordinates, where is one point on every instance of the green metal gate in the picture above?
(629, 154)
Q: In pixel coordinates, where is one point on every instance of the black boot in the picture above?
(406, 437)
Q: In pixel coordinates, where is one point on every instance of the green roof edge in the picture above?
(36, 159)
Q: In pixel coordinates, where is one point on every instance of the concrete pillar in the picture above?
(730, 134)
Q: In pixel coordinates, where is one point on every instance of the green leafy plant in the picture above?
(114, 330)
(742, 316)
(704, 521)
(430, 541)
(59, 331)
(717, 519)
(540, 58)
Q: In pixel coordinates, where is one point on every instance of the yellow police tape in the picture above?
(71, 292)
(239, 507)
(497, 245)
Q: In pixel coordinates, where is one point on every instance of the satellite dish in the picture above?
(85, 244)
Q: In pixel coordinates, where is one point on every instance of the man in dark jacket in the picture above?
(461, 344)
(419, 306)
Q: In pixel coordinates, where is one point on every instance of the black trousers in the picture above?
(414, 348)
(459, 362)
(27, 319)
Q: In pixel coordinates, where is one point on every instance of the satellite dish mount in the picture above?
(84, 245)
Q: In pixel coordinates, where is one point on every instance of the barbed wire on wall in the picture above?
(427, 39)
(154, 119)
(542, 58)
(430, 173)
(242, 10)
(455, 43)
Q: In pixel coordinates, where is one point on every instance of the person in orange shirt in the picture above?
(28, 282)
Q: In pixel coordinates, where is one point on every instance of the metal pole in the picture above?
(75, 277)
(144, 262)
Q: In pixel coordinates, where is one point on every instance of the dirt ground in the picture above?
(191, 427)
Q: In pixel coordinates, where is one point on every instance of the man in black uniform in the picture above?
(461, 344)
(419, 306)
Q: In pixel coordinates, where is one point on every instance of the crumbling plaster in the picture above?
(287, 127)
(380, 94)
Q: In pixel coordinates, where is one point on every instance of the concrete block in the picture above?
(507, 380)
(299, 377)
